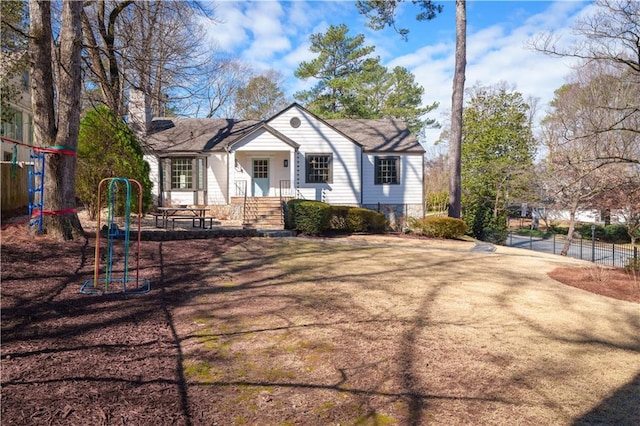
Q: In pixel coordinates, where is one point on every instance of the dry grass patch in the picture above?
(392, 331)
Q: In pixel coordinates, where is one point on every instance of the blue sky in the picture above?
(275, 34)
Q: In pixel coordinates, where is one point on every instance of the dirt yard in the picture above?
(358, 330)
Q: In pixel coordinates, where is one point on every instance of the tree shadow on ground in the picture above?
(621, 408)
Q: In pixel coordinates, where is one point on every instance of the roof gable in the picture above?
(267, 128)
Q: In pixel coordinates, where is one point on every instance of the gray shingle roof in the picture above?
(380, 135)
(196, 134)
(215, 134)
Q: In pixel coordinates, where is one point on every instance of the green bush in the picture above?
(438, 227)
(585, 231)
(316, 218)
(617, 234)
(532, 232)
(496, 234)
(609, 233)
(365, 220)
(108, 148)
(290, 214)
(557, 229)
(308, 217)
(483, 225)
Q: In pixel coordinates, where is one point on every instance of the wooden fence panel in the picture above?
(14, 188)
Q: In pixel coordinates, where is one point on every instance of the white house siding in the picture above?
(217, 179)
(314, 137)
(397, 202)
(154, 175)
(588, 216)
(409, 191)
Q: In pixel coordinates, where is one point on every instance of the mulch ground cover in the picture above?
(69, 358)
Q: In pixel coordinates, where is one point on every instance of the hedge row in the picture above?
(318, 218)
(438, 227)
(609, 233)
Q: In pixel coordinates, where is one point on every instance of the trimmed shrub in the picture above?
(290, 213)
(438, 227)
(308, 217)
(316, 218)
(365, 220)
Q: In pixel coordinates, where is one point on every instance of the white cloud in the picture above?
(496, 54)
(230, 33)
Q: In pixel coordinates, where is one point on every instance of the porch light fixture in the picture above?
(286, 162)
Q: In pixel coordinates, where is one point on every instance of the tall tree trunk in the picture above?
(40, 56)
(455, 143)
(60, 169)
(572, 227)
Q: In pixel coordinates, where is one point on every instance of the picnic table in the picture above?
(196, 214)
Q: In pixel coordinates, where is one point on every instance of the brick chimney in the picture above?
(139, 111)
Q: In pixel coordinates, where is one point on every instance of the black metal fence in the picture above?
(616, 255)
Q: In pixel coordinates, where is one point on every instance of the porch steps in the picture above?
(262, 212)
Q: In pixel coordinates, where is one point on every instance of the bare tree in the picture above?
(608, 42)
(261, 97)
(103, 67)
(56, 108)
(214, 93)
(609, 35)
(579, 175)
(436, 180)
(153, 46)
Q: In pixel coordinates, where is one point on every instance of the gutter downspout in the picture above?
(228, 195)
(293, 173)
(424, 192)
(361, 176)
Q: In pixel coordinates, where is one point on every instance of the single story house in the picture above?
(376, 164)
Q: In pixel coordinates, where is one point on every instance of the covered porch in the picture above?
(262, 174)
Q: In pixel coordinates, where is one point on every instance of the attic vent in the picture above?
(295, 122)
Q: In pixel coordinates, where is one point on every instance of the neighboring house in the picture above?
(17, 124)
(16, 131)
(377, 164)
(614, 216)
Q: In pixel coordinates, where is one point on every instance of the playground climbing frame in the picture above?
(117, 242)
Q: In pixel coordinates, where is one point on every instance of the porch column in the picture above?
(292, 173)
(231, 178)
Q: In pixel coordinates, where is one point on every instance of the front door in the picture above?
(260, 168)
